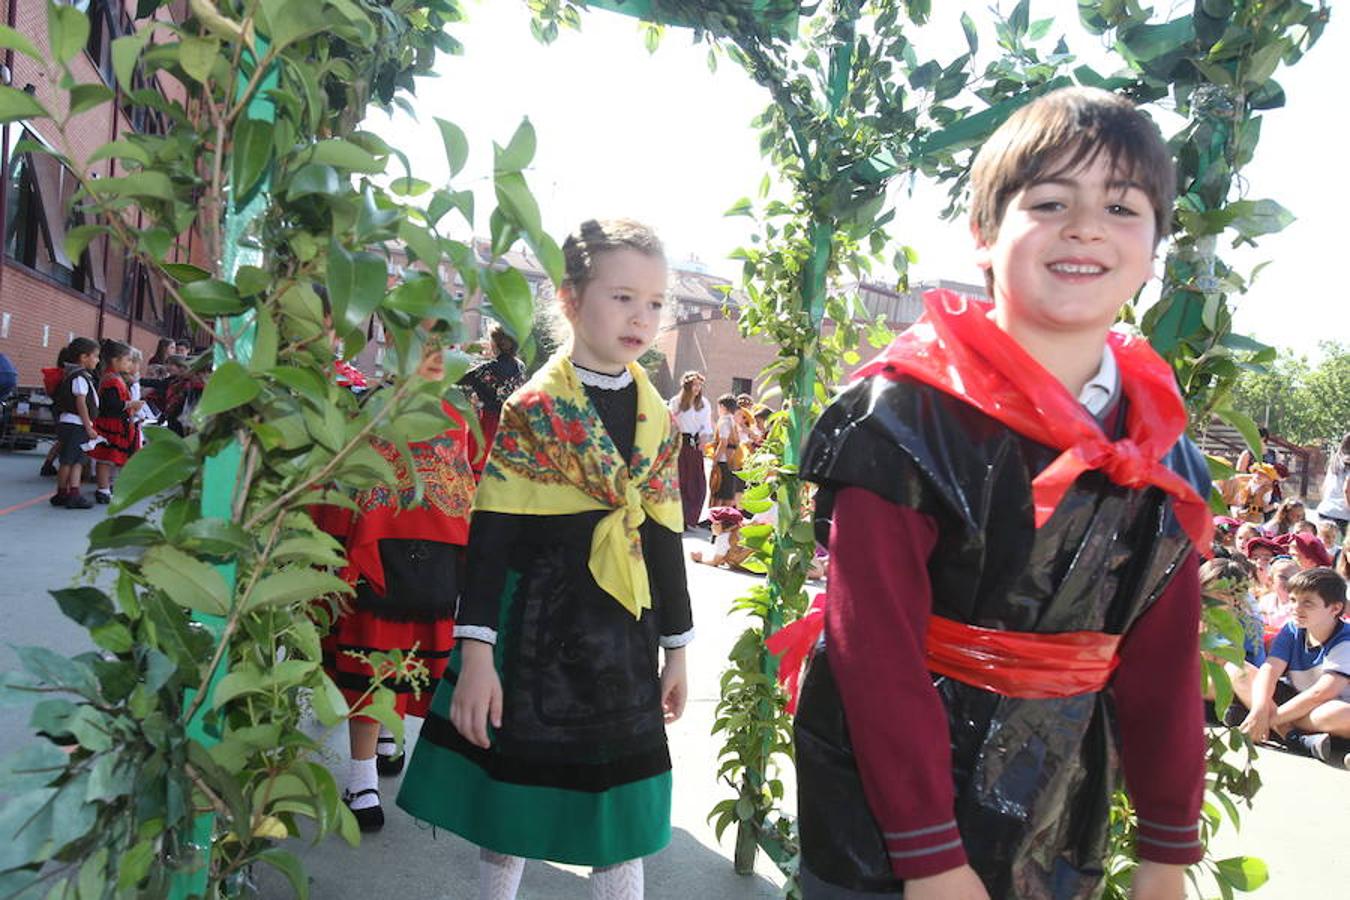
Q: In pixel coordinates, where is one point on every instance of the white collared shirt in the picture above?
(1101, 388)
(693, 420)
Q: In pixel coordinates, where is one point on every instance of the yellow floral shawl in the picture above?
(552, 456)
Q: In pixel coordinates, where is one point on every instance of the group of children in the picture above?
(1013, 514)
(95, 393)
(725, 434)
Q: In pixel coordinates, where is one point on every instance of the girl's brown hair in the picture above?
(687, 399)
(1281, 519)
(596, 236)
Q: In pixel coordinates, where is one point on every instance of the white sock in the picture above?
(362, 776)
(385, 744)
(498, 875)
(619, 882)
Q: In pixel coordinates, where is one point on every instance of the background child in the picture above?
(726, 455)
(1227, 580)
(118, 420)
(491, 383)
(727, 550)
(75, 403)
(405, 557)
(1303, 689)
(546, 737)
(962, 512)
(693, 417)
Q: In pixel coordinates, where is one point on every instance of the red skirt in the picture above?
(123, 438)
(365, 632)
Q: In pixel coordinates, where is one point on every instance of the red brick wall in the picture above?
(37, 307)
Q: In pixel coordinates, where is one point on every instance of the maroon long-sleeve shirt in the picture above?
(876, 623)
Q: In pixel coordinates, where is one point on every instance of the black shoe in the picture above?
(369, 819)
(47, 471)
(59, 498)
(102, 496)
(78, 501)
(1323, 747)
(389, 765)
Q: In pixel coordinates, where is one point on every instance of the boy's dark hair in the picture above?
(1058, 133)
(1322, 581)
(728, 402)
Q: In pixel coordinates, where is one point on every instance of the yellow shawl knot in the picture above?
(552, 456)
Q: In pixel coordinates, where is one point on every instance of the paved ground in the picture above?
(1299, 826)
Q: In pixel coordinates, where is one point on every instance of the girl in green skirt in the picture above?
(546, 736)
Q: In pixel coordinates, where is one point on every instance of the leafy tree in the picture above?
(184, 762)
(1305, 403)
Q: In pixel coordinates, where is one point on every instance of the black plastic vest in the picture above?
(1033, 778)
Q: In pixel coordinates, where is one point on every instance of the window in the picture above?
(741, 385)
(102, 31)
(40, 189)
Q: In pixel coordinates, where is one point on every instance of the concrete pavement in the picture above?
(1298, 826)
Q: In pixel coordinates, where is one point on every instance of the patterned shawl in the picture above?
(552, 456)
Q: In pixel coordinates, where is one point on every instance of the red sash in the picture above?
(1021, 664)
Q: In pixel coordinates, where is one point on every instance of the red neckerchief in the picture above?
(956, 348)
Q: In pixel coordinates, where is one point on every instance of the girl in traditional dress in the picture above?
(693, 417)
(404, 556)
(491, 383)
(117, 422)
(546, 738)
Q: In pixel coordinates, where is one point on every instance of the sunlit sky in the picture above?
(662, 139)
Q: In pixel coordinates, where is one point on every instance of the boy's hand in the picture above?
(674, 685)
(478, 695)
(954, 884)
(91, 431)
(1158, 881)
(1257, 724)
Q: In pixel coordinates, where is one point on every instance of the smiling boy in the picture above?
(1012, 511)
(1303, 689)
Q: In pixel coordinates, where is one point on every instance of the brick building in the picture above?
(47, 298)
(702, 334)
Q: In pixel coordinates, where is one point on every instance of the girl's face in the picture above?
(614, 319)
(89, 360)
(432, 367)
(123, 364)
(1295, 514)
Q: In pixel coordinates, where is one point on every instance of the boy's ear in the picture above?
(982, 257)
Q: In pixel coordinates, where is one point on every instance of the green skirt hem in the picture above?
(580, 828)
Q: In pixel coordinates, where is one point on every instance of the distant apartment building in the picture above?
(46, 297)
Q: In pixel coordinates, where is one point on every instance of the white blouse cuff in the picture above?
(675, 641)
(477, 633)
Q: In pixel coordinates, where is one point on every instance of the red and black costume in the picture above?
(405, 558)
(120, 429)
(489, 385)
(1013, 608)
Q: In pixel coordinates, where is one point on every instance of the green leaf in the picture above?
(186, 581)
(265, 343)
(85, 606)
(313, 179)
(212, 298)
(422, 243)
(197, 56)
(252, 153)
(229, 386)
(185, 273)
(79, 238)
(287, 864)
(456, 145)
(125, 53)
(1150, 42)
(165, 462)
(293, 585)
(1246, 873)
(120, 150)
(36, 765)
(236, 684)
(150, 185)
(16, 105)
(972, 36)
(330, 706)
(67, 31)
(512, 303)
(1243, 423)
(518, 153)
(13, 40)
(345, 155)
(86, 96)
(517, 203)
(356, 283)
(1256, 217)
(288, 21)
(134, 865)
(123, 531)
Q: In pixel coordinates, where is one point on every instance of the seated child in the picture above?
(1276, 607)
(727, 549)
(1303, 690)
(1228, 580)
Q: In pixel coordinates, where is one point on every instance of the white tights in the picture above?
(499, 878)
